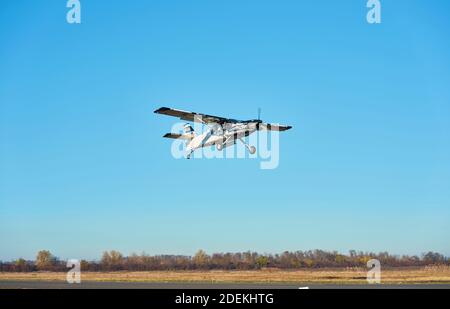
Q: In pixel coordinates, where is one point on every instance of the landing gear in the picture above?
(251, 149)
(219, 147)
(189, 153)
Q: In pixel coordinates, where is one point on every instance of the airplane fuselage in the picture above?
(221, 136)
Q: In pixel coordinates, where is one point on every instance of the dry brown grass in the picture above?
(338, 276)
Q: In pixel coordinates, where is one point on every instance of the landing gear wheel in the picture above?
(252, 149)
(219, 147)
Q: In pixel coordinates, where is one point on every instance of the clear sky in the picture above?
(83, 167)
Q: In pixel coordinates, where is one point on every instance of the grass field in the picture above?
(431, 275)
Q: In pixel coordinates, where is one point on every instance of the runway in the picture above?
(37, 284)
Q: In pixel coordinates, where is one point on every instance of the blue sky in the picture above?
(83, 167)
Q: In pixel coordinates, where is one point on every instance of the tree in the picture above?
(45, 260)
(112, 260)
(262, 261)
(84, 265)
(20, 265)
(201, 259)
(433, 258)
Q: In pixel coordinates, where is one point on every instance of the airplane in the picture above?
(223, 132)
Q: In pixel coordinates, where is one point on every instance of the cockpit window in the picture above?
(217, 130)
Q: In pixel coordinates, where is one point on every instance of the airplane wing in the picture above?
(191, 116)
(273, 127)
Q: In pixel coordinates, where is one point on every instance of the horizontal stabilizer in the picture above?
(179, 136)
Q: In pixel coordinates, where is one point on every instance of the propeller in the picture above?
(259, 113)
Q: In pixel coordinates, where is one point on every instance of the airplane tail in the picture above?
(188, 134)
(188, 130)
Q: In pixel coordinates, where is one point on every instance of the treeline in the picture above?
(115, 261)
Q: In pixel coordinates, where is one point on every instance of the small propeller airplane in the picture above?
(223, 132)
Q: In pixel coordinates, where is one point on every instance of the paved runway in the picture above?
(187, 285)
